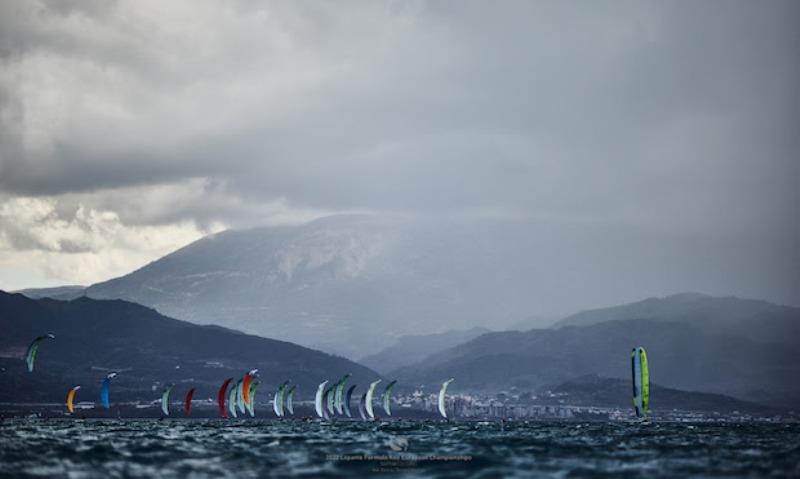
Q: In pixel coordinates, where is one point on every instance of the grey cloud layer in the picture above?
(678, 117)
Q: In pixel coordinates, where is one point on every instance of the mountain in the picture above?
(533, 322)
(56, 292)
(349, 284)
(95, 337)
(409, 349)
(748, 318)
(352, 284)
(681, 356)
(593, 390)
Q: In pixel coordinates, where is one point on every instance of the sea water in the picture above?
(216, 448)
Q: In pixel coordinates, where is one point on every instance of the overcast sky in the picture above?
(128, 129)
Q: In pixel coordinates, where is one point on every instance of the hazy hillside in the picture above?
(56, 292)
(349, 284)
(353, 284)
(681, 356)
(749, 318)
(94, 337)
(410, 349)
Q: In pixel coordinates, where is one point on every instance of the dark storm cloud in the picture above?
(676, 117)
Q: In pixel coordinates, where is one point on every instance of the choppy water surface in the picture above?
(59, 448)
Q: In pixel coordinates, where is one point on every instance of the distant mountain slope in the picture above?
(533, 322)
(94, 337)
(681, 356)
(351, 284)
(748, 318)
(347, 284)
(56, 292)
(410, 349)
(592, 390)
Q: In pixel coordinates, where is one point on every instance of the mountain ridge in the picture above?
(681, 355)
(352, 284)
(98, 336)
(65, 292)
(751, 318)
(408, 349)
(324, 283)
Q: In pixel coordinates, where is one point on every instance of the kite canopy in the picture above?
(188, 402)
(290, 400)
(330, 398)
(165, 399)
(362, 409)
(246, 385)
(71, 397)
(240, 395)
(370, 394)
(641, 382)
(347, 397)
(318, 398)
(338, 399)
(221, 398)
(387, 398)
(30, 355)
(232, 395)
(251, 406)
(442, 392)
(277, 400)
(104, 390)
